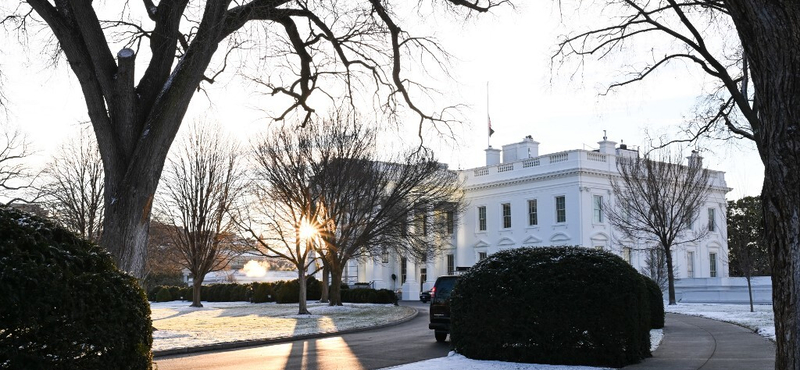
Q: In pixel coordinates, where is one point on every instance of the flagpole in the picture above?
(488, 118)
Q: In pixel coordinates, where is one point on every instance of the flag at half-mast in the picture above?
(489, 119)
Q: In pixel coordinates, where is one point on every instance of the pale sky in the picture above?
(508, 49)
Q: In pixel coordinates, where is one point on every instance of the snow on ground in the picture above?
(760, 321)
(180, 326)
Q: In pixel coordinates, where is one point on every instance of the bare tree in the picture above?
(317, 48)
(163, 265)
(757, 99)
(371, 205)
(200, 188)
(360, 205)
(282, 215)
(748, 254)
(15, 176)
(74, 186)
(656, 201)
(655, 266)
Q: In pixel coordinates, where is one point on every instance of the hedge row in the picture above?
(65, 305)
(553, 305)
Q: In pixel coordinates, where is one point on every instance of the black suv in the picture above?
(440, 306)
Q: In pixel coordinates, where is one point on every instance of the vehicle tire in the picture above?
(441, 336)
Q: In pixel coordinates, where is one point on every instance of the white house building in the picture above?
(528, 199)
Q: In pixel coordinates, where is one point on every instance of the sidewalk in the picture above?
(692, 343)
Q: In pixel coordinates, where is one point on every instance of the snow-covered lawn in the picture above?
(760, 321)
(181, 326)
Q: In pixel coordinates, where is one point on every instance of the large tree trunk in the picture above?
(303, 304)
(670, 276)
(326, 281)
(126, 223)
(197, 284)
(770, 32)
(336, 287)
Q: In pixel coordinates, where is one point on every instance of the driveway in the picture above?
(408, 342)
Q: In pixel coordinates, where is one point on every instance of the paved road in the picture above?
(396, 345)
(692, 343)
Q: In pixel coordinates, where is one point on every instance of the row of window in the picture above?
(533, 213)
(561, 213)
(626, 255)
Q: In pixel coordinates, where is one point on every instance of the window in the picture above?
(533, 218)
(425, 225)
(384, 255)
(448, 221)
(599, 247)
(712, 263)
(711, 224)
(403, 266)
(626, 254)
(598, 208)
(482, 218)
(482, 256)
(561, 209)
(423, 277)
(690, 264)
(451, 264)
(506, 215)
(689, 219)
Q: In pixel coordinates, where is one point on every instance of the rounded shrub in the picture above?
(656, 300)
(64, 304)
(263, 292)
(164, 295)
(553, 305)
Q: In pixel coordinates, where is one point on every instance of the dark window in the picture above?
(451, 264)
(533, 213)
(482, 218)
(403, 267)
(506, 215)
(561, 209)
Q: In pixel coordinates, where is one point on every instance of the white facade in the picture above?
(563, 190)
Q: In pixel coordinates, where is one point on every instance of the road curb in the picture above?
(259, 342)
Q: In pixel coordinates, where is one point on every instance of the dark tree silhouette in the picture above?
(746, 248)
(201, 187)
(316, 47)
(73, 188)
(15, 176)
(758, 99)
(655, 202)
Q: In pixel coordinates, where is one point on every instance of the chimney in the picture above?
(695, 160)
(527, 148)
(607, 147)
(492, 156)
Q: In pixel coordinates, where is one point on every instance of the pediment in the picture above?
(481, 244)
(532, 240)
(560, 237)
(505, 242)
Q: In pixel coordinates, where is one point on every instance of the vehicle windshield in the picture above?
(443, 288)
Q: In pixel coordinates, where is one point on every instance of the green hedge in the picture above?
(656, 303)
(64, 304)
(280, 291)
(553, 305)
(361, 295)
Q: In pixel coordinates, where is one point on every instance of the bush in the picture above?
(289, 291)
(164, 295)
(64, 303)
(263, 292)
(656, 298)
(555, 305)
(362, 295)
